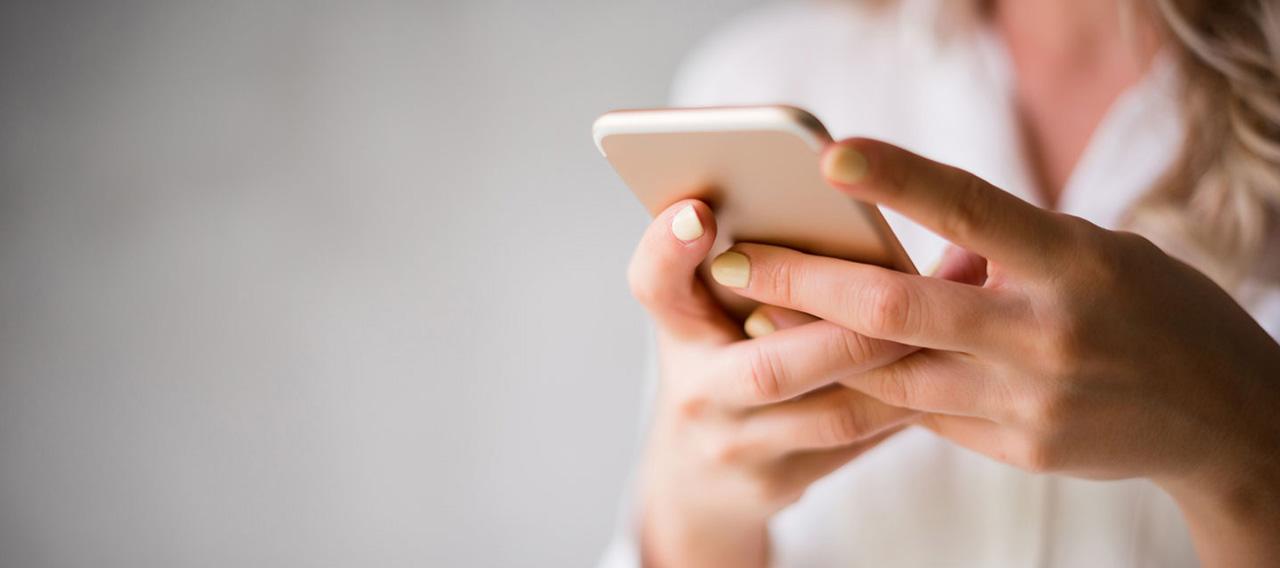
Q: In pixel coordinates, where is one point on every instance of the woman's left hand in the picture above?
(1071, 349)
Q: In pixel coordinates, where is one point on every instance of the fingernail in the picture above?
(758, 325)
(844, 164)
(685, 225)
(731, 269)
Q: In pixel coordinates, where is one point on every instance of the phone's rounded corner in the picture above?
(599, 140)
(600, 128)
(806, 119)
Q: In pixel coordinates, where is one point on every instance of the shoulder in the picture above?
(759, 53)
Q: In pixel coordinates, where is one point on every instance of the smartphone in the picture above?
(757, 168)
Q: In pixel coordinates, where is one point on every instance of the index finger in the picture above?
(874, 301)
(956, 204)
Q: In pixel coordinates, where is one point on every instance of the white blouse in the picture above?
(918, 500)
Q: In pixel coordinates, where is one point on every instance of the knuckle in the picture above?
(885, 307)
(693, 408)
(969, 208)
(772, 490)
(707, 444)
(893, 389)
(1039, 454)
(1127, 254)
(841, 426)
(1047, 411)
(1099, 256)
(1137, 244)
(1107, 266)
(762, 375)
(725, 453)
(858, 349)
(782, 279)
(1063, 346)
(1060, 238)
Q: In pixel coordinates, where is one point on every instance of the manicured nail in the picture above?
(845, 165)
(685, 225)
(731, 269)
(758, 325)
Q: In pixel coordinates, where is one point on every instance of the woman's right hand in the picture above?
(732, 440)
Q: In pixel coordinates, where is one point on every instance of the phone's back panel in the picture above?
(758, 169)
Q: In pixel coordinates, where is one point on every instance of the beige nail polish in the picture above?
(758, 325)
(844, 164)
(685, 224)
(731, 269)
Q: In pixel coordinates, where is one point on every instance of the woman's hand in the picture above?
(732, 441)
(1083, 351)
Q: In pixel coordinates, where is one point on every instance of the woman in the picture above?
(1059, 392)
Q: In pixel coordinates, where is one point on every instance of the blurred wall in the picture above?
(294, 283)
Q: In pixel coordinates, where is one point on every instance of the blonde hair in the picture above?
(1218, 200)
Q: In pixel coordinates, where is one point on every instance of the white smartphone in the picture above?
(758, 169)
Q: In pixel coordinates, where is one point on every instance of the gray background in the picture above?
(309, 284)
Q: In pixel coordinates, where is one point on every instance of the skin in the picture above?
(1072, 60)
(727, 451)
(1042, 341)
(1083, 351)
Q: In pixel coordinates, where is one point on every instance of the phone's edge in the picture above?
(783, 118)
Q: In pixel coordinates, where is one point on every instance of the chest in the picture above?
(1058, 110)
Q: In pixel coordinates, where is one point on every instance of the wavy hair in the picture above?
(1218, 201)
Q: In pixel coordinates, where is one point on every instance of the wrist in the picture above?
(672, 535)
(1238, 493)
(1232, 507)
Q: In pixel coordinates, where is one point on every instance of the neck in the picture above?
(1071, 60)
(1078, 32)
